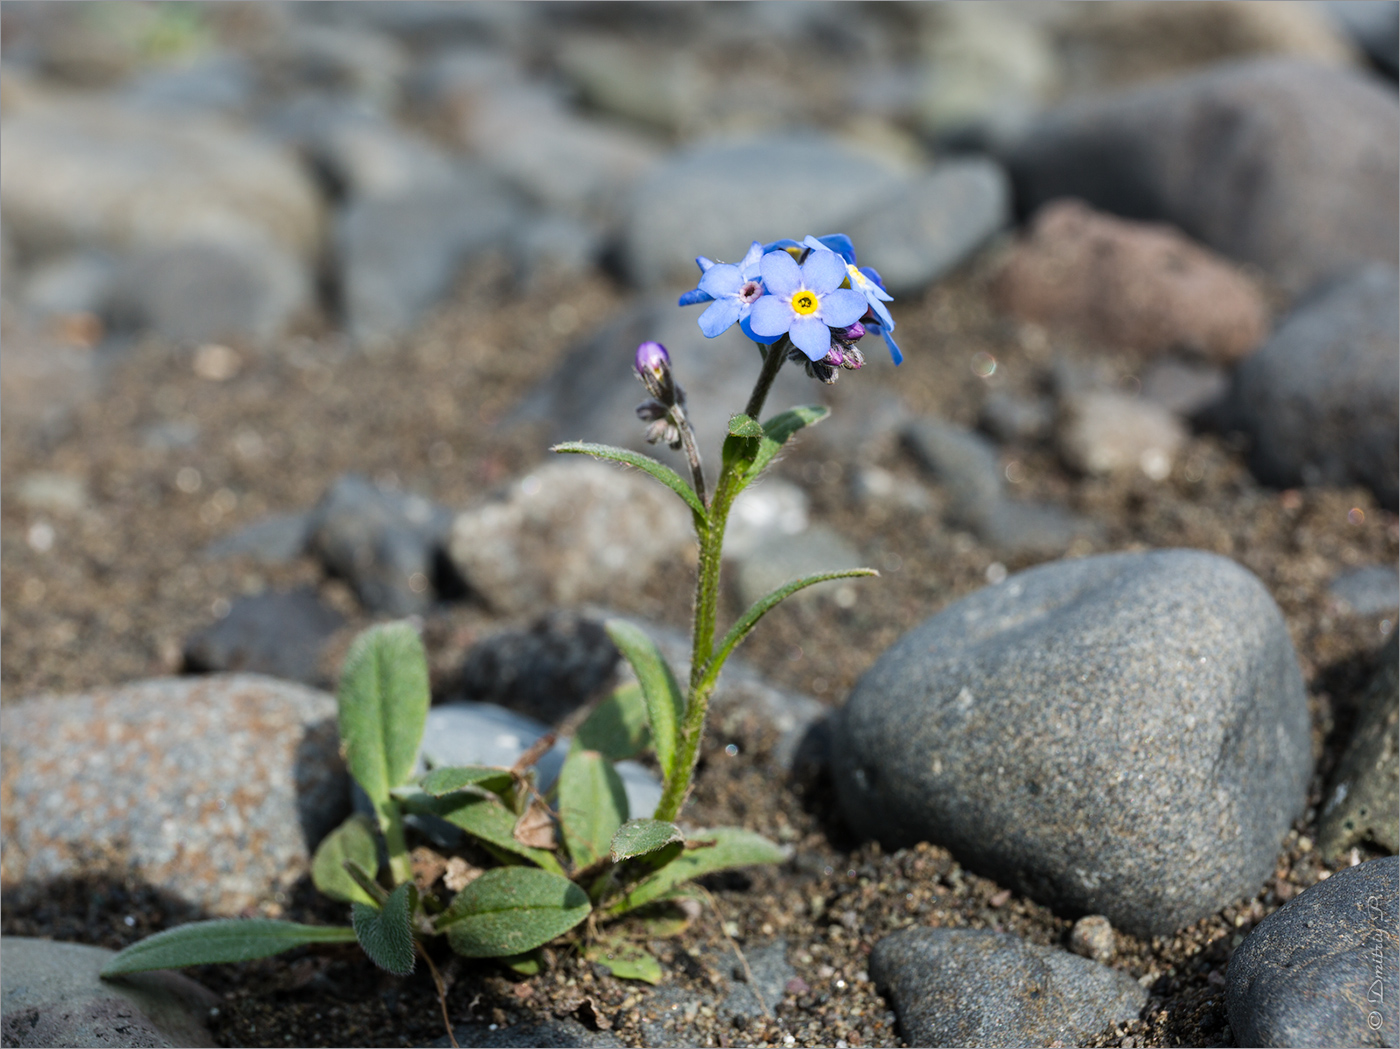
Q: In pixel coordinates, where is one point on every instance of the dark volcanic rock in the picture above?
(1364, 797)
(1279, 162)
(1321, 399)
(1321, 970)
(1124, 735)
(963, 987)
(279, 634)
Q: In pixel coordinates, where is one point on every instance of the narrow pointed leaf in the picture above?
(618, 727)
(626, 961)
(386, 933)
(231, 940)
(511, 910)
(383, 707)
(642, 838)
(779, 429)
(742, 425)
(447, 780)
(592, 805)
(484, 817)
(722, 848)
(353, 840)
(657, 469)
(745, 623)
(664, 701)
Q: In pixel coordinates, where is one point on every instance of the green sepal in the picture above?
(353, 840)
(665, 703)
(224, 940)
(646, 463)
(711, 850)
(511, 910)
(386, 933)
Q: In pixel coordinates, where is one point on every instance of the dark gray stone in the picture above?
(397, 256)
(1370, 590)
(1010, 418)
(976, 987)
(1374, 27)
(53, 996)
(1321, 399)
(1288, 164)
(1187, 388)
(76, 282)
(771, 972)
(278, 634)
(545, 672)
(386, 545)
(1363, 799)
(275, 539)
(1321, 970)
(1124, 735)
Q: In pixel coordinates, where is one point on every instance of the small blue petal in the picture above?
(841, 244)
(843, 307)
(748, 265)
(693, 296)
(770, 316)
(780, 245)
(883, 312)
(869, 271)
(722, 279)
(747, 329)
(781, 275)
(823, 272)
(894, 349)
(704, 263)
(721, 314)
(811, 336)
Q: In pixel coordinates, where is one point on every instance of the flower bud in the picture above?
(853, 332)
(653, 366)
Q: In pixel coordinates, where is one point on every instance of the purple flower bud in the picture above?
(653, 366)
(853, 332)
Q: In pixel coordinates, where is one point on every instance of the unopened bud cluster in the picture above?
(664, 412)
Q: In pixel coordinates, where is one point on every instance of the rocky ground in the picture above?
(165, 469)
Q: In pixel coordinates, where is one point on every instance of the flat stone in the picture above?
(1285, 163)
(275, 539)
(53, 996)
(1130, 286)
(1106, 432)
(1124, 735)
(1363, 799)
(1321, 970)
(1321, 399)
(216, 789)
(1369, 590)
(279, 634)
(960, 987)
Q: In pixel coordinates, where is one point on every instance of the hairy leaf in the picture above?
(486, 777)
(779, 429)
(592, 805)
(383, 707)
(626, 961)
(230, 940)
(657, 469)
(664, 700)
(644, 837)
(353, 840)
(742, 425)
(485, 817)
(617, 728)
(386, 933)
(511, 910)
(718, 849)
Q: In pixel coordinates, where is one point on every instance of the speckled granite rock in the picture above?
(53, 996)
(1364, 796)
(215, 789)
(1321, 970)
(976, 987)
(1124, 735)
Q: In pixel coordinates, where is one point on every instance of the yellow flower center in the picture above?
(804, 302)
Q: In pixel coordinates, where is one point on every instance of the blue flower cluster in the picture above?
(812, 292)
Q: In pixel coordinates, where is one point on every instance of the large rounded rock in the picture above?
(1320, 399)
(214, 789)
(1124, 735)
(1321, 970)
(1284, 163)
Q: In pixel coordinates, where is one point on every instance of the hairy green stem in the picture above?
(391, 825)
(777, 353)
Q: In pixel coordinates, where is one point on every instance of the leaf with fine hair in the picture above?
(489, 778)
(626, 961)
(225, 940)
(742, 425)
(618, 727)
(779, 429)
(383, 707)
(592, 805)
(745, 623)
(386, 933)
(664, 700)
(353, 840)
(484, 817)
(511, 910)
(645, 463)
(643, 838)
(711, 850)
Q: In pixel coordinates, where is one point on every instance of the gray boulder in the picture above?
(976, 987)
(1124, 735)
(53, 996)
(1363, 799)
(1285, 163)
(1321, 399)
(280, 634)
(1320, 971)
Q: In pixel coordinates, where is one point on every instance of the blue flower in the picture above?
(695, 295)
(805, 302)
(863, 279)
(734, 290)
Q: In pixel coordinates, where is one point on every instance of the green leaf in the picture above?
(352, 840)
(644, 837)
(527, 964)
(231, 940)
(779, 429)
(447, 780)
(386, 933)
(720, 849)
(511, 910)
(592, 805)
(617, 728)
(745, 623)
(626, 961)
(742, 425)
(664, 701)
(659, 470)
(482, 816)
(383, 707)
